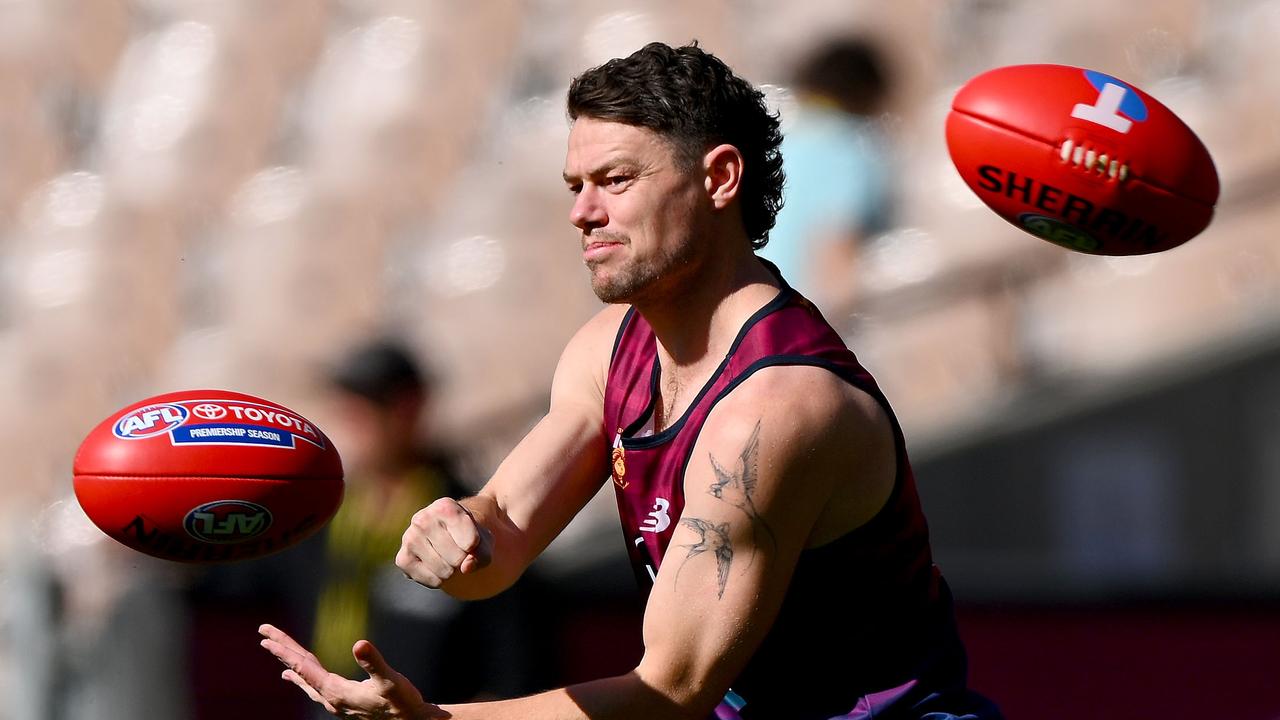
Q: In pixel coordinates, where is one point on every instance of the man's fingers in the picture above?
(282, 638)
(462, 526)
(474, 562)
(406, 561)
(268, 629)
(480, 555)
(415, 569)
(296, 679)
(448, 529)
(385, 694)
(442, 539)
(293, 656)
(474, 538)
(289, 658)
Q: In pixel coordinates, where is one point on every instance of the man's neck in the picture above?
(696, 325)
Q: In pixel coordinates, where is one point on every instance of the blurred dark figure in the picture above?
(343, 583)
(839, 166)
(393, 469)
(94, 630)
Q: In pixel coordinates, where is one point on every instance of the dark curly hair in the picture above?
(693, 99)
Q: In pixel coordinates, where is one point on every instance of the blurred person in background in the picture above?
(840, 171)
(767, 501)
(96, 632)
(394, 467)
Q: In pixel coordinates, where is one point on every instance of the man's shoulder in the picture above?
(585, 360)
(806, 405)
(600, 329)
(592, 344)
(803, 389)
(829, 443)
(608, 320)
(819, 452)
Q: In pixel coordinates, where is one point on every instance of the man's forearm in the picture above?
(624, 697)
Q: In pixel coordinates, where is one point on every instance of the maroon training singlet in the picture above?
(867, 623)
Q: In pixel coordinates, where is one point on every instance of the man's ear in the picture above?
(723, 166)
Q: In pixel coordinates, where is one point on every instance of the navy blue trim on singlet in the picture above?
(649, 441)
(622, 328)
(845, 374)
(768, 265)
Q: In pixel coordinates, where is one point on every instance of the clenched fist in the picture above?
(443, 539)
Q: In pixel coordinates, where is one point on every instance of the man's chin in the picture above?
(609, 289)
(609, 294)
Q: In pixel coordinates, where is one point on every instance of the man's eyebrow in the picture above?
(612, 164)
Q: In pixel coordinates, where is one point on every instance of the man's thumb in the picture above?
(368, 657)
(395, 692)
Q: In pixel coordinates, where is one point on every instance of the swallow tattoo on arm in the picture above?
(714, 538)
(737, 486)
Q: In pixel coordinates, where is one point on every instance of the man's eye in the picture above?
(617, 179)
(574, 189)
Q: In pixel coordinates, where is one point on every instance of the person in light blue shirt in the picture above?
(839, 167)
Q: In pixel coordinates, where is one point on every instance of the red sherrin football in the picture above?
(1081, 159)
(208, 476)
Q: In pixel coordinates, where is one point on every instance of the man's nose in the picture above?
(588, 212)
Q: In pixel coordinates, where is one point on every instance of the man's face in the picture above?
(639, 208)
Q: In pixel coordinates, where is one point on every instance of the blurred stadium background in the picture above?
(228, 193)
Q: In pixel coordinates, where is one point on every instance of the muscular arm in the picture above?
(547, 479)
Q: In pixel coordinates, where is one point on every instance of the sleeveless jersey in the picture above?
(867, 624)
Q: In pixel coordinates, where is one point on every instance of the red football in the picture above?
(1081, 159)
(208, 476)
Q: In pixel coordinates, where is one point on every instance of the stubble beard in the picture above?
(621, 286)
(633, 280)
(624, 282)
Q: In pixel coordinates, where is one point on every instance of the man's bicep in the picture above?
(731, 557)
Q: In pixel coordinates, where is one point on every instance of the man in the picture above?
(761, 478)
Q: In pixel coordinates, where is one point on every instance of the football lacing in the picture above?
(1087, 158)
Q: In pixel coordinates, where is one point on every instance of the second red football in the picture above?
(1081, 159)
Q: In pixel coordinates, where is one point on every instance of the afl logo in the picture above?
(227, 521)
(149, 421)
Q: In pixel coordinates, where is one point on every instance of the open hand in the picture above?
(385, 695)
